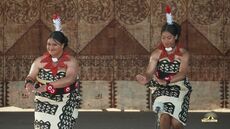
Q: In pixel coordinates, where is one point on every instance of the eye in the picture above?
(169, 37)
(55, 45)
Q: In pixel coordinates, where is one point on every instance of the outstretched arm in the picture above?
(149, 73)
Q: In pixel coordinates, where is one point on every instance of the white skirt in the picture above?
(173, 100)
(56, 111)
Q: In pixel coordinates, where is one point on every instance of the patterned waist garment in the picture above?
(172, 99)
(58, 110)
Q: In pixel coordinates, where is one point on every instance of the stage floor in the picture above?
(116, 120)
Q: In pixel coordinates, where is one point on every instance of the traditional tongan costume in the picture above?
(57, 107)
(173, 98)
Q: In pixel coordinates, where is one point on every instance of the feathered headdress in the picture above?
(169, 17)
(57, 22)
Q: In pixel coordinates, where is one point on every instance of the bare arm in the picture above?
(183, 67)
(31, 77)
(149, 73)
(34, 69)
(152, 64)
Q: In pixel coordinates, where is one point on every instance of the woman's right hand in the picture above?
(29, 88)
(141, 79)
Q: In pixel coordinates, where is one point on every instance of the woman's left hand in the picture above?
(41, 89)
(160, 81)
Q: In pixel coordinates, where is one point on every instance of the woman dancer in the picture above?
(166, 72)
(53, 78)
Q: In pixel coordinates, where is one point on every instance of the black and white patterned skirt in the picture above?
(56, 111)
(172, 99)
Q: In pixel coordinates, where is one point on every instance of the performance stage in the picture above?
(118, 120)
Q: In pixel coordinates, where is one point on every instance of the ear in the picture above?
(63, 46)
(176, 37)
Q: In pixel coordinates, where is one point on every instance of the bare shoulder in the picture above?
(38, 59)
(72, 65)
(37, 62)
(72, 60)
(185, 53)
(155, 54)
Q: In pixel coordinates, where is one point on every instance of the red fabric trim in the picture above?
(49, 63)
(172, 55)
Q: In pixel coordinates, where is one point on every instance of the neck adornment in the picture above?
(168, 49)
(59, 62)
(54, 59)
(171, 56)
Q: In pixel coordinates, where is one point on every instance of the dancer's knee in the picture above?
(165, 117)
(176, 124)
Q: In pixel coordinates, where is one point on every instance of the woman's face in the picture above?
(168, 39)
(54, 48)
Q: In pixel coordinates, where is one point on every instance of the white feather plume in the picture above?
(57, 22)
(169, 17)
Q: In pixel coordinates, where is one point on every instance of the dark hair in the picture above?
(174, 29)
(60, 37)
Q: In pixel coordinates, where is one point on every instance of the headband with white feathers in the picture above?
(169, 17)
(57, 22)
(169, 20)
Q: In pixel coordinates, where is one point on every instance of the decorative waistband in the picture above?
(55, 91)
